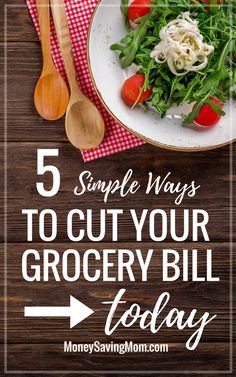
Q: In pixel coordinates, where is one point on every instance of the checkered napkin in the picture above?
(79, 14)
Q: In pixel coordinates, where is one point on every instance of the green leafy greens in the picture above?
(218, 79)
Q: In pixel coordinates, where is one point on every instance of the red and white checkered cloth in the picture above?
(79, 15)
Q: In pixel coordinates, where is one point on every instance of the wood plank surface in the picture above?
(33, 344)
(212, 297)
(21, 192)
(19, 24)
(209, 356)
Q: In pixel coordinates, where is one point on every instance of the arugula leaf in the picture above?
(210, 84)
(215, 108)
(124, 9)
(129, 50)
(214, 7)
(190, 118)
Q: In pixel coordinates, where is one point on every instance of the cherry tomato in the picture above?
(207, 117)
(138, 9)
(131, 90)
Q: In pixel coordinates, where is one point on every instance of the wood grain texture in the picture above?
(17, 15)
(32, 344)
(212, 297)
(21, 192)
(209, 357)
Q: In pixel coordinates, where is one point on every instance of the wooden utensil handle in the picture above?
(44, 24)
(63, 34)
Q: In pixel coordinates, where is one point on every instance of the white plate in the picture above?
(107, 27)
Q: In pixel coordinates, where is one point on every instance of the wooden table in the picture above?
(38, 344)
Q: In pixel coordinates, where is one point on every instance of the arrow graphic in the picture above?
(77, 311)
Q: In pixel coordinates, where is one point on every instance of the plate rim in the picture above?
(135, 133)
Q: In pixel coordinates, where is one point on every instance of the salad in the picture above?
(185, 52)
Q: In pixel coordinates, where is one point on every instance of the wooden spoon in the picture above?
(51, 94)
(84, 124)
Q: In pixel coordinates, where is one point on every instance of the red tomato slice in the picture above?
(207, 117)
(131, 90)
(138, 9)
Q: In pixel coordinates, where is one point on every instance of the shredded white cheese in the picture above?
(182, 46)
